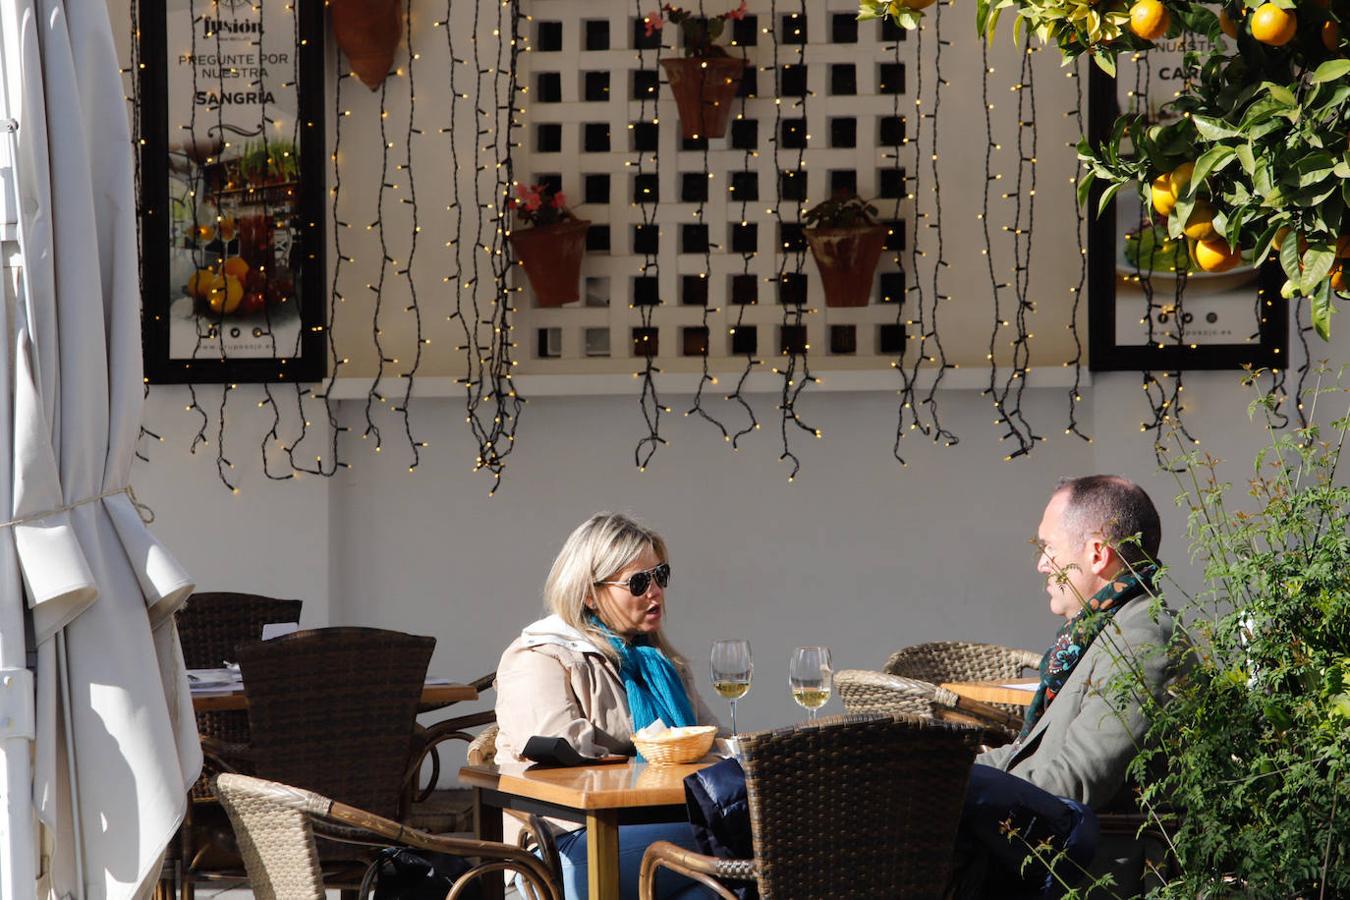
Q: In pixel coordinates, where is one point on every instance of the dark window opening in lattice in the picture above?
(646, 239)
(843, 340)
(794, 134)
(548, 87)
(891, 78)
(550, 180)
(790, 237)
(596, 342)
(891, 339)
(891, 184)
(792, 288)
(693, 238)
(744, 186)
(548, 37)
(843, 181)
(694, 187)
(791, 339)
(646, 188)
(597, 291)
(844, 132)
(745, 340)
(646, 84)
(745, 134)
(745, 32)
(895, 234)
(646, 290)
(646, 342)
(595, 137)
(597, 239)
(891, 131)
(595, 87)
(892, 33)
(892, 287)
(792, 81)
(695, 340)
(550, 343)
(843, 79)
(696, 143)
(792, 185)
(646, 136)
(596, 188)
(597, 34)
(844, 28)
(744, 237)
(643, 41)
(548, 137)
(749, 86)
(693, 290)
(793, 29)
(744, 289)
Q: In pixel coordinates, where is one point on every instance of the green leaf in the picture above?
(1085, 188)
(1322, 310)
(1212, 129)
(1247, 157)
(1310, 169)
(1106, 62)
(1317, 262)
(1107, 195)
(1212, 160)
(1280, 93)
(1331, 70)
(1289, 258)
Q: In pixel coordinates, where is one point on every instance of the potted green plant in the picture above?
(550, 250)
(846, 241)
(705, 79)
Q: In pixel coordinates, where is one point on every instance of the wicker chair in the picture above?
(535, 834)
(876, 692)
(848, 806)
(275, 826)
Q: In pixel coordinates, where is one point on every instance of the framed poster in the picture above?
(1149, 307)
(232, 190)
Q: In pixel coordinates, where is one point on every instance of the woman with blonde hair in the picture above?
(597, 669)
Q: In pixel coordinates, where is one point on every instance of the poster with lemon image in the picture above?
(236, 281)
(1186, 289)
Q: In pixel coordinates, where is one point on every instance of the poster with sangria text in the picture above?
(232, 182)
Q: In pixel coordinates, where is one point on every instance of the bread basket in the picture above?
(675, 746)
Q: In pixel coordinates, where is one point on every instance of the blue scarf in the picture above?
(654, 688)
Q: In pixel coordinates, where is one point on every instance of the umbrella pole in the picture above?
(63, 667)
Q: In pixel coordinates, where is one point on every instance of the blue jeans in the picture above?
(633, 842)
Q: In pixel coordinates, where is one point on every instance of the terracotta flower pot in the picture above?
(551, 256)
(847, 259)
(703, 89)
(368, 31)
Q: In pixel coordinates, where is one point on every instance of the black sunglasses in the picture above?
(638, 582)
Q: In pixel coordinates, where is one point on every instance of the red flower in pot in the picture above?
(550, 250)
(846, 241)
(706, 79)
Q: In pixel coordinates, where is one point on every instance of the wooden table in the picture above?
(432, 695)
(994, 691)
(600, 797)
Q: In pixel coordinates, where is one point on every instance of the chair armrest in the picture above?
(227, 756)
(428, 739)
(706, 870)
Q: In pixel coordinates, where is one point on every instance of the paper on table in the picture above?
(1023, 686)
(207, 680)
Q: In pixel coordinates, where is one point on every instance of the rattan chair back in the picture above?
(865, 692)
(482, 750)
(944, 661)
(333, 710)
(210, 625)
(856, 806)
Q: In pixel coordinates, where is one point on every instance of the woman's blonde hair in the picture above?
(598, 550)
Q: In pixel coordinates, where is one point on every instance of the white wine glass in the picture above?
(731, 671)
(810, 677)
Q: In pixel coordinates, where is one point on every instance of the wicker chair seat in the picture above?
(940, 662)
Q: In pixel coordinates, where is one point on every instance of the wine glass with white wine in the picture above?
(731, 670)
(810, 677)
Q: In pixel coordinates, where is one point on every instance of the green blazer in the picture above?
(1080, 747)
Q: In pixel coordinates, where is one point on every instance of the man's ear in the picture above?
(1105, 560)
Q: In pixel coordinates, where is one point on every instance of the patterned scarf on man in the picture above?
(1077, 635)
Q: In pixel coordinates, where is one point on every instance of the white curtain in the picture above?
(116, 745)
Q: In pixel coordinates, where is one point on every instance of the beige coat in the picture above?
(553, 681)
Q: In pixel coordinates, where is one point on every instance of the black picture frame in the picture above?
(258, 338)
(1105, 354)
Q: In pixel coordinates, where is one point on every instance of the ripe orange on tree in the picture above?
(1216, 255)
(1226, 23)
(1149, 19)
(1331, 35)
(1200, 223)
(1340, 283)
(1274, 26)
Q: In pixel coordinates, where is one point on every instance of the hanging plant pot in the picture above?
(551, 256)
(704, 88)
(847, 259)
(368, 31)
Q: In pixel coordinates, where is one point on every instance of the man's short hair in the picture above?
(1117, 509)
